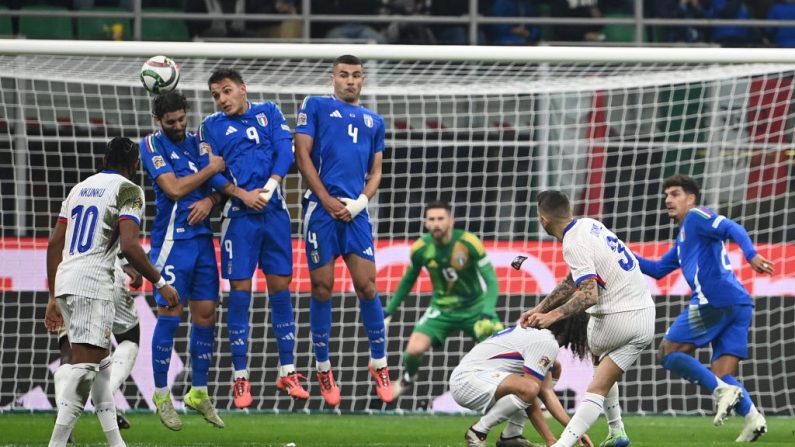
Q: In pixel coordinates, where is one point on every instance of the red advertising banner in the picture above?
(24, 267)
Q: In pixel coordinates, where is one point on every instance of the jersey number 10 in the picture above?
(85, 225)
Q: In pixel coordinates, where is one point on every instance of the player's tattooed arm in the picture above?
(586, 297)
(560, 294)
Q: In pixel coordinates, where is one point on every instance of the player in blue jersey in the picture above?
(339, 146)
(256, 142)
(720, 310)
(183, 251)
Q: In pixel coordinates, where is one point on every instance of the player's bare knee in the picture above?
(278, 283)
(321, 292)
(365, 290)
(527, 391)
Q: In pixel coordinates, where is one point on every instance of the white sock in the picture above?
(323, 366)
(378, 363)
(515, 426)
(721, 384)
(752, 413)
(58, 378)
(102, 396)
(588, 412)
(123, 361)
(499, 412)
(74, 390)
(286, 369)
(613, 410)
(242, 374)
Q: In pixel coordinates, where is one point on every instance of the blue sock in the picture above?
(743, 407)
(373, 319)
(201, 353)
(162, 345)
(320, 324)
(283, 323)
(690, 369)
(237, 325)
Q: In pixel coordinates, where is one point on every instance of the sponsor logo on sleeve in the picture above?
(301, 121)
(204, 149)
(138, 203)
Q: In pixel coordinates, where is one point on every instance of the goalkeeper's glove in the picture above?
(486, 327)
(387, 319)
(355, 206)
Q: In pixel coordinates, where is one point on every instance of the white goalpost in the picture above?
(485, 128)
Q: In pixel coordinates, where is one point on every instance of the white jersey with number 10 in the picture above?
(92, 212)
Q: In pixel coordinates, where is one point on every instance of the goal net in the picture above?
(484, 128)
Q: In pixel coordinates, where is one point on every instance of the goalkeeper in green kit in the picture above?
(456, 261)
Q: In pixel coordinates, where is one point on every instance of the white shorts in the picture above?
(126, 313)
(622, 336)
(87, 320)
(475, 389)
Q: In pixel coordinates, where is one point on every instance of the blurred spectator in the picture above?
(407, 33)
(680, 9)
(353, 30)
(782, 37)
(450, 34)
(732, 36)
(217, 27)
(579, 9)
(513, 34)
(286, 29)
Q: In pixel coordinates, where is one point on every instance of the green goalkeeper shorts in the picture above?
(438, 324)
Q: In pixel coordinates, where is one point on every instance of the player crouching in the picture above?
(504, 374)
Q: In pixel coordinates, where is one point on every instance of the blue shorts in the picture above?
(257, 238)
(725, 328)
(327, 238)
(190, 266)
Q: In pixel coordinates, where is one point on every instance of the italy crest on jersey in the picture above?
(262, 119)
(368, 120)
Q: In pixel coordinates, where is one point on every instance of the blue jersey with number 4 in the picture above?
(702, 256)
(160, 155)
(254, 145)
(346, 139)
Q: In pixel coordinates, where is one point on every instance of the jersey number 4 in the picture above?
(85, 220)
(353, 132)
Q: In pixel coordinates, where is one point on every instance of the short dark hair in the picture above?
(438, 204)
(167, 103)
(687, 183)
(225, 73)
(121, 153)
(347, 59)
(554, 204)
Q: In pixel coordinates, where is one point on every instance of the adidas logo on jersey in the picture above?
(230, 129)
(335, 114)
(174, 156)
(369, 251)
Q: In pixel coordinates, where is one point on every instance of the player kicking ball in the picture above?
(503, 375)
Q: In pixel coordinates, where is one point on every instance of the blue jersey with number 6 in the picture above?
(346, 139)
(159, 156)
(255, 145)
(701, 253)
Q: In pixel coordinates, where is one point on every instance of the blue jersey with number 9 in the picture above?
(249, 144)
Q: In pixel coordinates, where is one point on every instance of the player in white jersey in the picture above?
(125, 330)
(100, 214)
(503, 375)
(605, 281)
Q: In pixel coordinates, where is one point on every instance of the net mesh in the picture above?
(485, 136)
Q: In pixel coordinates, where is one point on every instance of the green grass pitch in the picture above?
(326, 430)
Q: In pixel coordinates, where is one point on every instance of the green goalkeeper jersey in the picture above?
(455, 269)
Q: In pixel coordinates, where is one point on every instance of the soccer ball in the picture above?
(160, 74)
